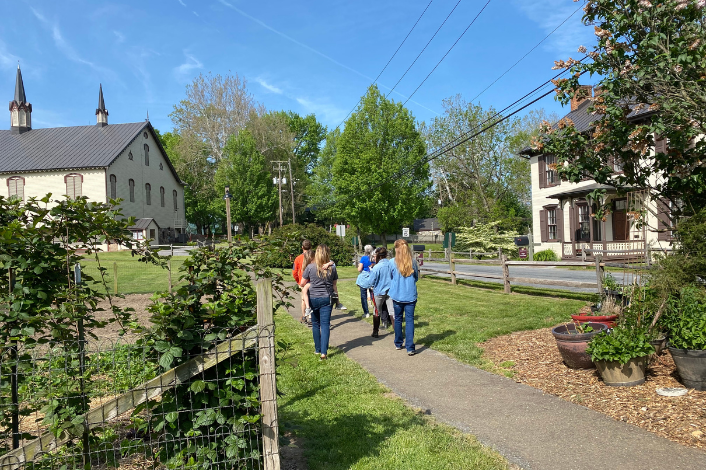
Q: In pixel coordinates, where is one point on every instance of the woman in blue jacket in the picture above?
(404, 274)
(380, 280)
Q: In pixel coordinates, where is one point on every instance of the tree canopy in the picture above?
(651, 58)
(380, 176)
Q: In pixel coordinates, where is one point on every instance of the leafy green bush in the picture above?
(546, 255)
(685, 319)
(621, 345)
(285, 244)
(482, 238)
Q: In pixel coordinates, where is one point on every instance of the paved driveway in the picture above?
(548, 272)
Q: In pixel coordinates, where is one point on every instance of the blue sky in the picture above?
(310, 56)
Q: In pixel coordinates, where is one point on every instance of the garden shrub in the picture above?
(285, 244)
(483, 238)
(545, 255)
(685, 319)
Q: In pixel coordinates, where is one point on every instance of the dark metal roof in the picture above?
(581, 191)
(101, 104)
(141, 224)
(64, 148)
(19, 88)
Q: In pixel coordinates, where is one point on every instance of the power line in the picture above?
(388, 62)
(528, 53)
(447, 52)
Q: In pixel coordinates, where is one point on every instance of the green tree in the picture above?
(651, 58)
(320, 191)
(245, 170)
(483, 179)
(380, 175)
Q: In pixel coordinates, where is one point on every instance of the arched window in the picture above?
(148, 194)
(113, 187)
(74, 183)
(16, 187)
(147, 155)
(176, 204)
(131, 183)
(161, 195)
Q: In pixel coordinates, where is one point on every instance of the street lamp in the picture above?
(227, 198)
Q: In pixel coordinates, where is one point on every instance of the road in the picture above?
(548, 272)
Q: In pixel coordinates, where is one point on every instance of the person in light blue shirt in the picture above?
(380, 280)
(404, 275)
(364, 267)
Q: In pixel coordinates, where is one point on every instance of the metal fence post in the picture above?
(115, 277)
(452, 269)
(268, 385)
(506, 274)
(14, 385)
(169, 268)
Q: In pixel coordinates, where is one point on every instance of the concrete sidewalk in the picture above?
(530, 428)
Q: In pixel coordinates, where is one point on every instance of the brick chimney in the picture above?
(584, 92)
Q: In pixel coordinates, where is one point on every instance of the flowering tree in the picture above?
(486, 238)
(651, 57)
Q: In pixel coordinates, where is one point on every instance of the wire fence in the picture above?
(131, 276)
(137, 403)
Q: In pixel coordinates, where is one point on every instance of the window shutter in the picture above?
(560, 224)
(542, 164)
(572, 224)
(660, 145)
(543, 224)
(663, 221)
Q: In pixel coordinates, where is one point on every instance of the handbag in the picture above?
(363, 280)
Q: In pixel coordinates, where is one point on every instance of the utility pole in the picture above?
(228, 197)
(279, 185)
(291, 189)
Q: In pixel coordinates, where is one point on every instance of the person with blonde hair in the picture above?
(403, 291)
(320, 278)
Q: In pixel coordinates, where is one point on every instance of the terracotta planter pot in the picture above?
(572, 346)
(691, 365)
(629, 374)
(607, 320)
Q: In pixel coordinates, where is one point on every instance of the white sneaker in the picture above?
(307, 312)
(367, 315)
(341, 307)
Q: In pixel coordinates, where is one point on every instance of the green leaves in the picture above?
(685, 319)
(621, 345)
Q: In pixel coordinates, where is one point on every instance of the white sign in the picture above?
(341, 230)
(405, 232)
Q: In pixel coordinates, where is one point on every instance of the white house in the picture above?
(101, 162)
(562, 211)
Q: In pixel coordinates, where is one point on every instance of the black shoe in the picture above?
(375, 334)
(411, 353)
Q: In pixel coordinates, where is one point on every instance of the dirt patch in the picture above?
(292, 453)
(139, 302)
(533, 359)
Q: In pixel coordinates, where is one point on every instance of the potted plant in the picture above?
(621, 355)
(685, 322)
(605, 312)
(572, 340)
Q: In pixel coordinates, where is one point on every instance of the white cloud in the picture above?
(548, 14)
(195, 13)
(182, 3)
(8, 60)
(192, 63)
(268, 86)
(119, 36)
(324, 111)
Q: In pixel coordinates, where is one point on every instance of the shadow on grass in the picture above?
(432, 338)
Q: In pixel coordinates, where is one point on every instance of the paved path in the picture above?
(530, 428)
(548, 272)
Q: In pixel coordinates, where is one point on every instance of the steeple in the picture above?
(101, 112)
(20, 109)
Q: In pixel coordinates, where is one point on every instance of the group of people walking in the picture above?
(390, 283)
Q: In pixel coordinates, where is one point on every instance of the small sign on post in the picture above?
(341, 230)
(405, 232)
(523, 252)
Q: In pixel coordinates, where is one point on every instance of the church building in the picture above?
(101, 162)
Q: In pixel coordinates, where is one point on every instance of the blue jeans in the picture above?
(321, 323)
(364, 299)
(408, 309)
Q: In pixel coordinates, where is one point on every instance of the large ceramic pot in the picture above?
(691, 365)
(572, 345)
(629, 374)
(607, 320)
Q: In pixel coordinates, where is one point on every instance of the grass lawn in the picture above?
(454, 319)
(344, 419)
(134, 277)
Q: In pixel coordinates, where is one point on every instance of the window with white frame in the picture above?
(584, 223)
(16, 187)
(550, 169)
(552, 232)
(74, 183)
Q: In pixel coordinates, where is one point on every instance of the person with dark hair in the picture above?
(363, 280)
(380, 280)
(297, 271)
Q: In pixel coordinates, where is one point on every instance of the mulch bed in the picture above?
(537, 363)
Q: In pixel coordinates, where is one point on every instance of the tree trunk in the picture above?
(383, 239)
(360, 241)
